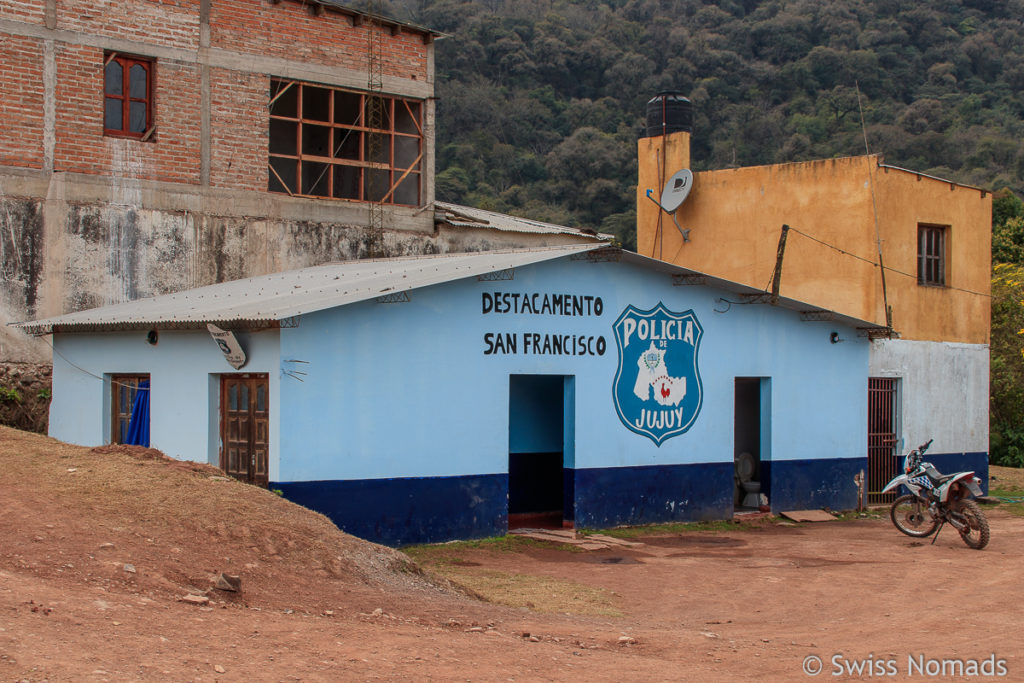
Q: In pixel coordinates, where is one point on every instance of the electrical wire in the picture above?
(91, 374)
(875, 264)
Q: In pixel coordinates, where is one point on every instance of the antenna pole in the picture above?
(874, 208)
(777, 275)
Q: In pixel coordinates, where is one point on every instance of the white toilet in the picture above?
(745, 467)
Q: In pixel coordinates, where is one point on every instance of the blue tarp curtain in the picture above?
(138, 427)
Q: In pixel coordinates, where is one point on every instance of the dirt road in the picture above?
(748, 605)
(97, 548)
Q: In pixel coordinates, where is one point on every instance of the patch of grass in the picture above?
(1007, 479)
(682, 527)
(1006, 493)
(538, 593)
(1012, 508)
(453, 552)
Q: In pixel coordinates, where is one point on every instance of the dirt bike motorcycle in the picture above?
(937, 499)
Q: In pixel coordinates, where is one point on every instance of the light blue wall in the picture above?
(183, 369)
(405, 390)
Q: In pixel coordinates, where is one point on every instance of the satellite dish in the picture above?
(677, 189)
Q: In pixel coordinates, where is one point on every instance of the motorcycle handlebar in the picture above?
(923, 447)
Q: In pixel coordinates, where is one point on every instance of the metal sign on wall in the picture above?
(229, 346)
(657, 389)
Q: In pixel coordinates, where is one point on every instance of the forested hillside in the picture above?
(541, 101)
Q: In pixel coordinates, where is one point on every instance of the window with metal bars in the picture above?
(128, 96)
(931, 255)
(342, 144)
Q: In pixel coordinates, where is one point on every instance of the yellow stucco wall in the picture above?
(735, 218)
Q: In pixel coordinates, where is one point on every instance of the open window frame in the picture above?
(334, 143)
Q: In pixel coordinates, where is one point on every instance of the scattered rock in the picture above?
(476, 629)
(627, 640)
(328, 613)
(709, 634)
(534, 639)
(229, 582)
(492, 632)
(219, 669)
(195, 599)
(379, 612)
(106, 546)
(129, 568)
(72, 469)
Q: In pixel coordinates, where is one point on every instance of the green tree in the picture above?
(1006, 445)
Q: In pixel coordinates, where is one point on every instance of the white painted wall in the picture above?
(183, 367)
(944, 392)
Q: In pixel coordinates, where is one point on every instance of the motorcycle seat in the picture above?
(939, 479)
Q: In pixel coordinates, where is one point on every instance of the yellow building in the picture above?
(845, 217)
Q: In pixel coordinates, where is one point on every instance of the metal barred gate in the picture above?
(882, 438)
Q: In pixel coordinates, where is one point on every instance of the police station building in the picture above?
(432, 398)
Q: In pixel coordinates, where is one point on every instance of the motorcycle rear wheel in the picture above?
(912, 518)
(976, 534)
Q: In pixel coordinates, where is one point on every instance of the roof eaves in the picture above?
(221, 303)
(361, 15)
(920, 175)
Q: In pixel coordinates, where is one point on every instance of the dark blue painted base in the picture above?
(811, 484)
(949, 463)
(609, 497)
(434, 509)
(414, 510)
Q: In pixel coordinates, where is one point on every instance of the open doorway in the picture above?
(750, 442)
(539, 450)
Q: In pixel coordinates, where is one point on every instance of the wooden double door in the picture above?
(244, 425)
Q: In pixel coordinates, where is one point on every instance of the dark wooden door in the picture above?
(244, 423)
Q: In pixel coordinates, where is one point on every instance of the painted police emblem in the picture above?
(657, 388)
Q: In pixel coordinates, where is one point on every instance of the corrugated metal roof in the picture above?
(378, 18)
(469, 217)
(749, 295)
(270, 300)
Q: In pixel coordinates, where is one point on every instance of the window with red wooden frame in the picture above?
(931, 255)
(128, 96)
(337, 144)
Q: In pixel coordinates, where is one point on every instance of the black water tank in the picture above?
(669, 112)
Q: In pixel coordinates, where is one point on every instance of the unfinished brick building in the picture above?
(149, 146)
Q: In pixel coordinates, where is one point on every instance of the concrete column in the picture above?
(49, 103)
(204, 94)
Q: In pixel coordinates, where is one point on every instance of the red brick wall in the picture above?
(239, 127)
(171, 23)
(30, 11)
(21, 102)
(173, 152)
(290, 30)
(239, 119)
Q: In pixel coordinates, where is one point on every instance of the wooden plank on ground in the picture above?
(808, 516)
(556, 536)
(614, 541)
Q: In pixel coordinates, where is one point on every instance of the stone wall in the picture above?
(25, 395)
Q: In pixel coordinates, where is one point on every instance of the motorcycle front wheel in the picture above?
(912, 517)
(976, 533)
